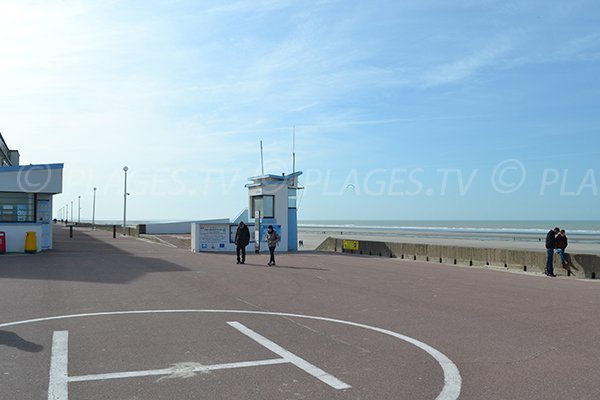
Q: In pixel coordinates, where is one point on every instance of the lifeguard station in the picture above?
(272, 200)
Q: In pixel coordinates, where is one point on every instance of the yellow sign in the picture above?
(350, 244)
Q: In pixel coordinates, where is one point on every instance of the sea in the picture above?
(534, 230)
(583, 231)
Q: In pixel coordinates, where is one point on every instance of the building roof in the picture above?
(42, 178)
(31, 167)
(277, 179)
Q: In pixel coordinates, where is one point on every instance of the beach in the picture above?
(533, 240)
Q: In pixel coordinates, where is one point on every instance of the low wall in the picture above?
(130, 231)
(182, 227)
(580, 265)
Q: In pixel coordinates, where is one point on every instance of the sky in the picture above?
(402, 110)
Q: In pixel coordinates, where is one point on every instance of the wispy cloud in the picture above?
(465, 67)
(196, 85)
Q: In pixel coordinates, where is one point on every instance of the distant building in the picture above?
(26, 193)
(7, 157)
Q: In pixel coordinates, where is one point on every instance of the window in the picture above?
(17, 207)
(292, 198)
(264, 204)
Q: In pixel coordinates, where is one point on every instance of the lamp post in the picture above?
(125, 194)
(78, 209)
(94, 211)
(66, 213)
(72, 211)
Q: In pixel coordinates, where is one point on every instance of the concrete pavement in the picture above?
(141, 320)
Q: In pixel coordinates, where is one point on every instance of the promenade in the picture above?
(126, 318)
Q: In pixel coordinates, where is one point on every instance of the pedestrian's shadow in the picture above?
(11, 339)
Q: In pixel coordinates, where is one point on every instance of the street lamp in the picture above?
(94, 211)
(72, 212)
(125, 194)
(78, 209)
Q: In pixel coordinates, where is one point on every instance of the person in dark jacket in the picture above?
(550, 246)
(561, 244)
(242, 238)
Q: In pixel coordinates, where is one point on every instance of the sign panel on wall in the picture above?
(213, 236)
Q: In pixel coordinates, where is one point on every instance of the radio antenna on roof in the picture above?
(294, 150)
(262, 160)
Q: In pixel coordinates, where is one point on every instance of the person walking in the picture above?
(242, 238)
(561, 244)
(550, 246)
(272, 241)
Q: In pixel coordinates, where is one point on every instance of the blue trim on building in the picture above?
(292, 229)
(32, 167)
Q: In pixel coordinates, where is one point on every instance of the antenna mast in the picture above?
(262, 161)
(294, 151)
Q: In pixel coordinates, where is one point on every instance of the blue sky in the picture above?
(402, 109)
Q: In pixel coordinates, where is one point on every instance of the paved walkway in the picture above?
(123, 318)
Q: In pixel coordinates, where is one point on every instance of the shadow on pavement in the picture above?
(11, 339)
(83, 259)
(284, 267)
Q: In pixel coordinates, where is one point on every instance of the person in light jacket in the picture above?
(272, 241)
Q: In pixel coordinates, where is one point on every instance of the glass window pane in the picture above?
(264, 204)
(292, 198)
(17, 207)
(257, 205)
(269, 206)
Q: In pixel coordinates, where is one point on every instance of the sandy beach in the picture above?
(313, 237)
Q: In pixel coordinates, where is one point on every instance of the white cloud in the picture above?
(465, 67)
(183, 92)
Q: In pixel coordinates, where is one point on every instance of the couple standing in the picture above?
(556, 241)
(242, 238)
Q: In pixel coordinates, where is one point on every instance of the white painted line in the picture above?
(452, 379)
(175, 370)
(292, 358)
(58, 387)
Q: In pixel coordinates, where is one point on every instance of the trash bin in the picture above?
(31, 243)
(2, 242)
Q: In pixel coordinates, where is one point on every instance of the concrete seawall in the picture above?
(130, 231)
(580, 265)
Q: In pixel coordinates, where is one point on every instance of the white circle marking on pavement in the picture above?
(452, 379)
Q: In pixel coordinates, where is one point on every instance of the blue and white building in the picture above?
(272, 200)
(26, 193)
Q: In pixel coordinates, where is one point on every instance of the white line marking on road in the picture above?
(58, 388)
(175, 371)
(452, 379)
(292, 358)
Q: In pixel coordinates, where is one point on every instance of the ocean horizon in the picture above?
(496, 225)
(582, 227)
(534, 230)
